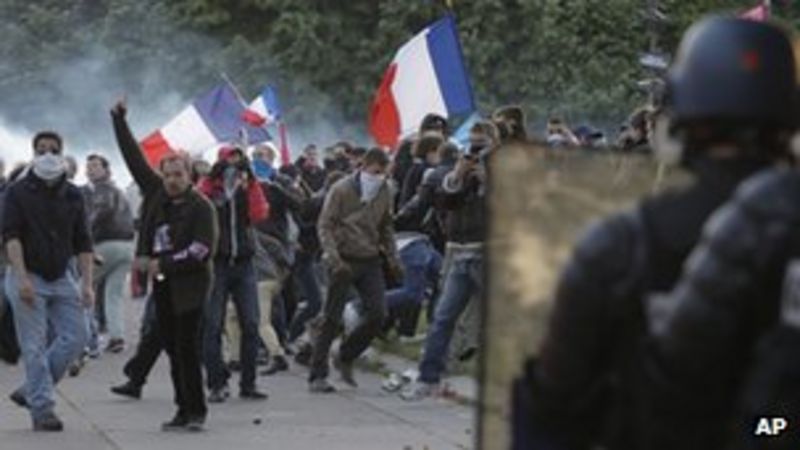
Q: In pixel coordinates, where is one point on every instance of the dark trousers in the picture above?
(150, 346)
(305, 278)
(181, 334)
(237, 281)
(367, 278)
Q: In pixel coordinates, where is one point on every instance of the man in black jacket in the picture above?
(426, 156)
(729, 107)
(44, 228)
(177, 241)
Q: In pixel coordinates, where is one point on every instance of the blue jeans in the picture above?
(464, 280)
(117, 259)
(57, 305)
(308, 283)
(421, 263)
(237, 281)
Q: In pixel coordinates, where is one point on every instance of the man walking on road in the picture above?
(177, 241)
(111, 222)
(355, 229)
(44, 227)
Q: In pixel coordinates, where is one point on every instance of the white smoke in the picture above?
(80, 91)
(15, 146)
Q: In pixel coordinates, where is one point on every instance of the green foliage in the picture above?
(576, 59)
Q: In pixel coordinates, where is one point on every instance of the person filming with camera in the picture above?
(463, 195)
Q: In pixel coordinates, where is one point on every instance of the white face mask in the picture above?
(370, 186)
(49, 166)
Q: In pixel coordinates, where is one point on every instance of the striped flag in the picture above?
(427, 75)
(264, 110)
(211, 119)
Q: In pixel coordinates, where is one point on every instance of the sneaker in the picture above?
(129, 389)
(418, 390)
(93, 353)
(76, 366)
(219, 395)
(252, 394)
(19, 399)
(394, 382)
(48, 422)
(178, 423)
(303, 355)
(115, 345)
(321, 386)
(345, 371)
(277, 364)
(195, 424)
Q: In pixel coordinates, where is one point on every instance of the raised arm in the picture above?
(140, 169)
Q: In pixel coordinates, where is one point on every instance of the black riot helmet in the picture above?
(733, 69)
(733, 81)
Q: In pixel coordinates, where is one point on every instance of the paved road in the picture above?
(292, 418)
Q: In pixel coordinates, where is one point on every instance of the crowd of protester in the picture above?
(380, 238)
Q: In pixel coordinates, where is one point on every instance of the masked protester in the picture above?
(264, 162)
(728, 119)
(240, 205)
(356, 232)
(44, 228)
(176, 244)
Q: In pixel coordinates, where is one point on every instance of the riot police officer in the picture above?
(727, 115)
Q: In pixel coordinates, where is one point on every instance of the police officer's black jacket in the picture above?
(725, 325)
(584, 385)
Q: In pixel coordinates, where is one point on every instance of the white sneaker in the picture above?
(419, 390)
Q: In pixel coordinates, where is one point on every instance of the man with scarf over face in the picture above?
(44, 228)
(355, 229)
(240, 204)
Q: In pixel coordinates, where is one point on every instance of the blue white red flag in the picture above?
(211, 119)
(427, 75)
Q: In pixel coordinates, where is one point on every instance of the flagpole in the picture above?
(227, 79)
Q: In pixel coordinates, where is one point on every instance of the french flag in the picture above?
(264, 110)
(427, 75)
(213, 118)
